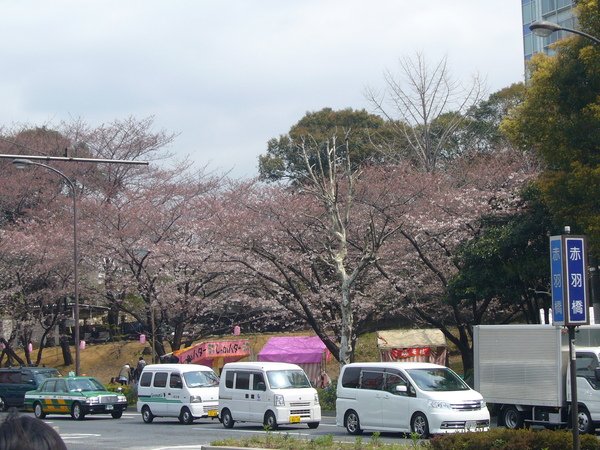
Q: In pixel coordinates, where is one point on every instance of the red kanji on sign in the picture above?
(402, 353)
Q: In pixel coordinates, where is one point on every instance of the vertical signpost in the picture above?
(568, 268)
(556, 280)
(575, 277)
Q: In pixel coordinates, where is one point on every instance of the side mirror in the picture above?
(401, 388)
(261, 386)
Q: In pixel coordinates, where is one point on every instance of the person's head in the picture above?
(141, 358)
(28, 433)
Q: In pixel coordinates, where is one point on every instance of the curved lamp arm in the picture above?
(544, 28)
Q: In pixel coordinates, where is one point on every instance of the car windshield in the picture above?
(201, 378)
(437, 379)
(287, 379)
(41, 376)
(85, 385)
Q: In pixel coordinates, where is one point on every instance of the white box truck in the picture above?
(523, 371)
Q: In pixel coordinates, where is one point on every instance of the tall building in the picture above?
(557, 11)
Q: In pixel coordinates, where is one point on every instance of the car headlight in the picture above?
(316, 398)
(279, 400)
(92, 400)
(121, 398)
(482, 404)
(195, 399)
(437, 404)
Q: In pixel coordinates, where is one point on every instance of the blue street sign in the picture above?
(556, 280)
(575, 280)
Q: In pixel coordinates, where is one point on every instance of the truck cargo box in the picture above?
(521, 364)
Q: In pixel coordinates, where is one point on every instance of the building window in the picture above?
(529, 14)
(548, 6)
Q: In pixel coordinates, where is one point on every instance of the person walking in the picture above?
(124, 374)
(140, 366)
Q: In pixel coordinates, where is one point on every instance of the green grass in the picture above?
(289, 442)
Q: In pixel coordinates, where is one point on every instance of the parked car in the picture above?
(16, 381)
(78, 396)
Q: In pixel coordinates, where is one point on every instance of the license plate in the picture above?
(294, 419)
(470, 425)
(213, 413)
(109, 407)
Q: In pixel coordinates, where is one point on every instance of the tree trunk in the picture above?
(346, 347)
(10, 353)
(66, 350)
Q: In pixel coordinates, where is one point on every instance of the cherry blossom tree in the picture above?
(448, 214)
(312, 248)
(27, 200)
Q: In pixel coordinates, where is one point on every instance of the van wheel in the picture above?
(313, 425)
(512, 417)
(270, 421)
(185, 417)
(226, 418)
(584, 421)
(420, 426)
(147, 415)
(116, 414)
(352, 422)
(77, 411)
(38, 410)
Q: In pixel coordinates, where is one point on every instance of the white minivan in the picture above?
(185, 391)
(414, 397)
(270, 393)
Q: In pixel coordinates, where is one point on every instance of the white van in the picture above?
(407, 397)
(186, 391)
(270, 393)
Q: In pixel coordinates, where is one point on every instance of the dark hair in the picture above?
(28, 433)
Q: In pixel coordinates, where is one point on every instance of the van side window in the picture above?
(371, 380)
(391, 381)
(258, 378)
(10, 377)
(160, 379)
(175, 381)
(242, 381)
(229, 379)
(146, 379)
(351, 377)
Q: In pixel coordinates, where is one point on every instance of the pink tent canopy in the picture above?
(294, 349)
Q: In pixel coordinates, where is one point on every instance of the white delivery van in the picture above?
(186, 391)
(270, 393)
(407, 397)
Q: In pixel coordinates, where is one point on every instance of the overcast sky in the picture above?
(229, 75)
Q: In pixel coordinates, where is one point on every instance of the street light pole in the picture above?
(21, 163)
(544, 28)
